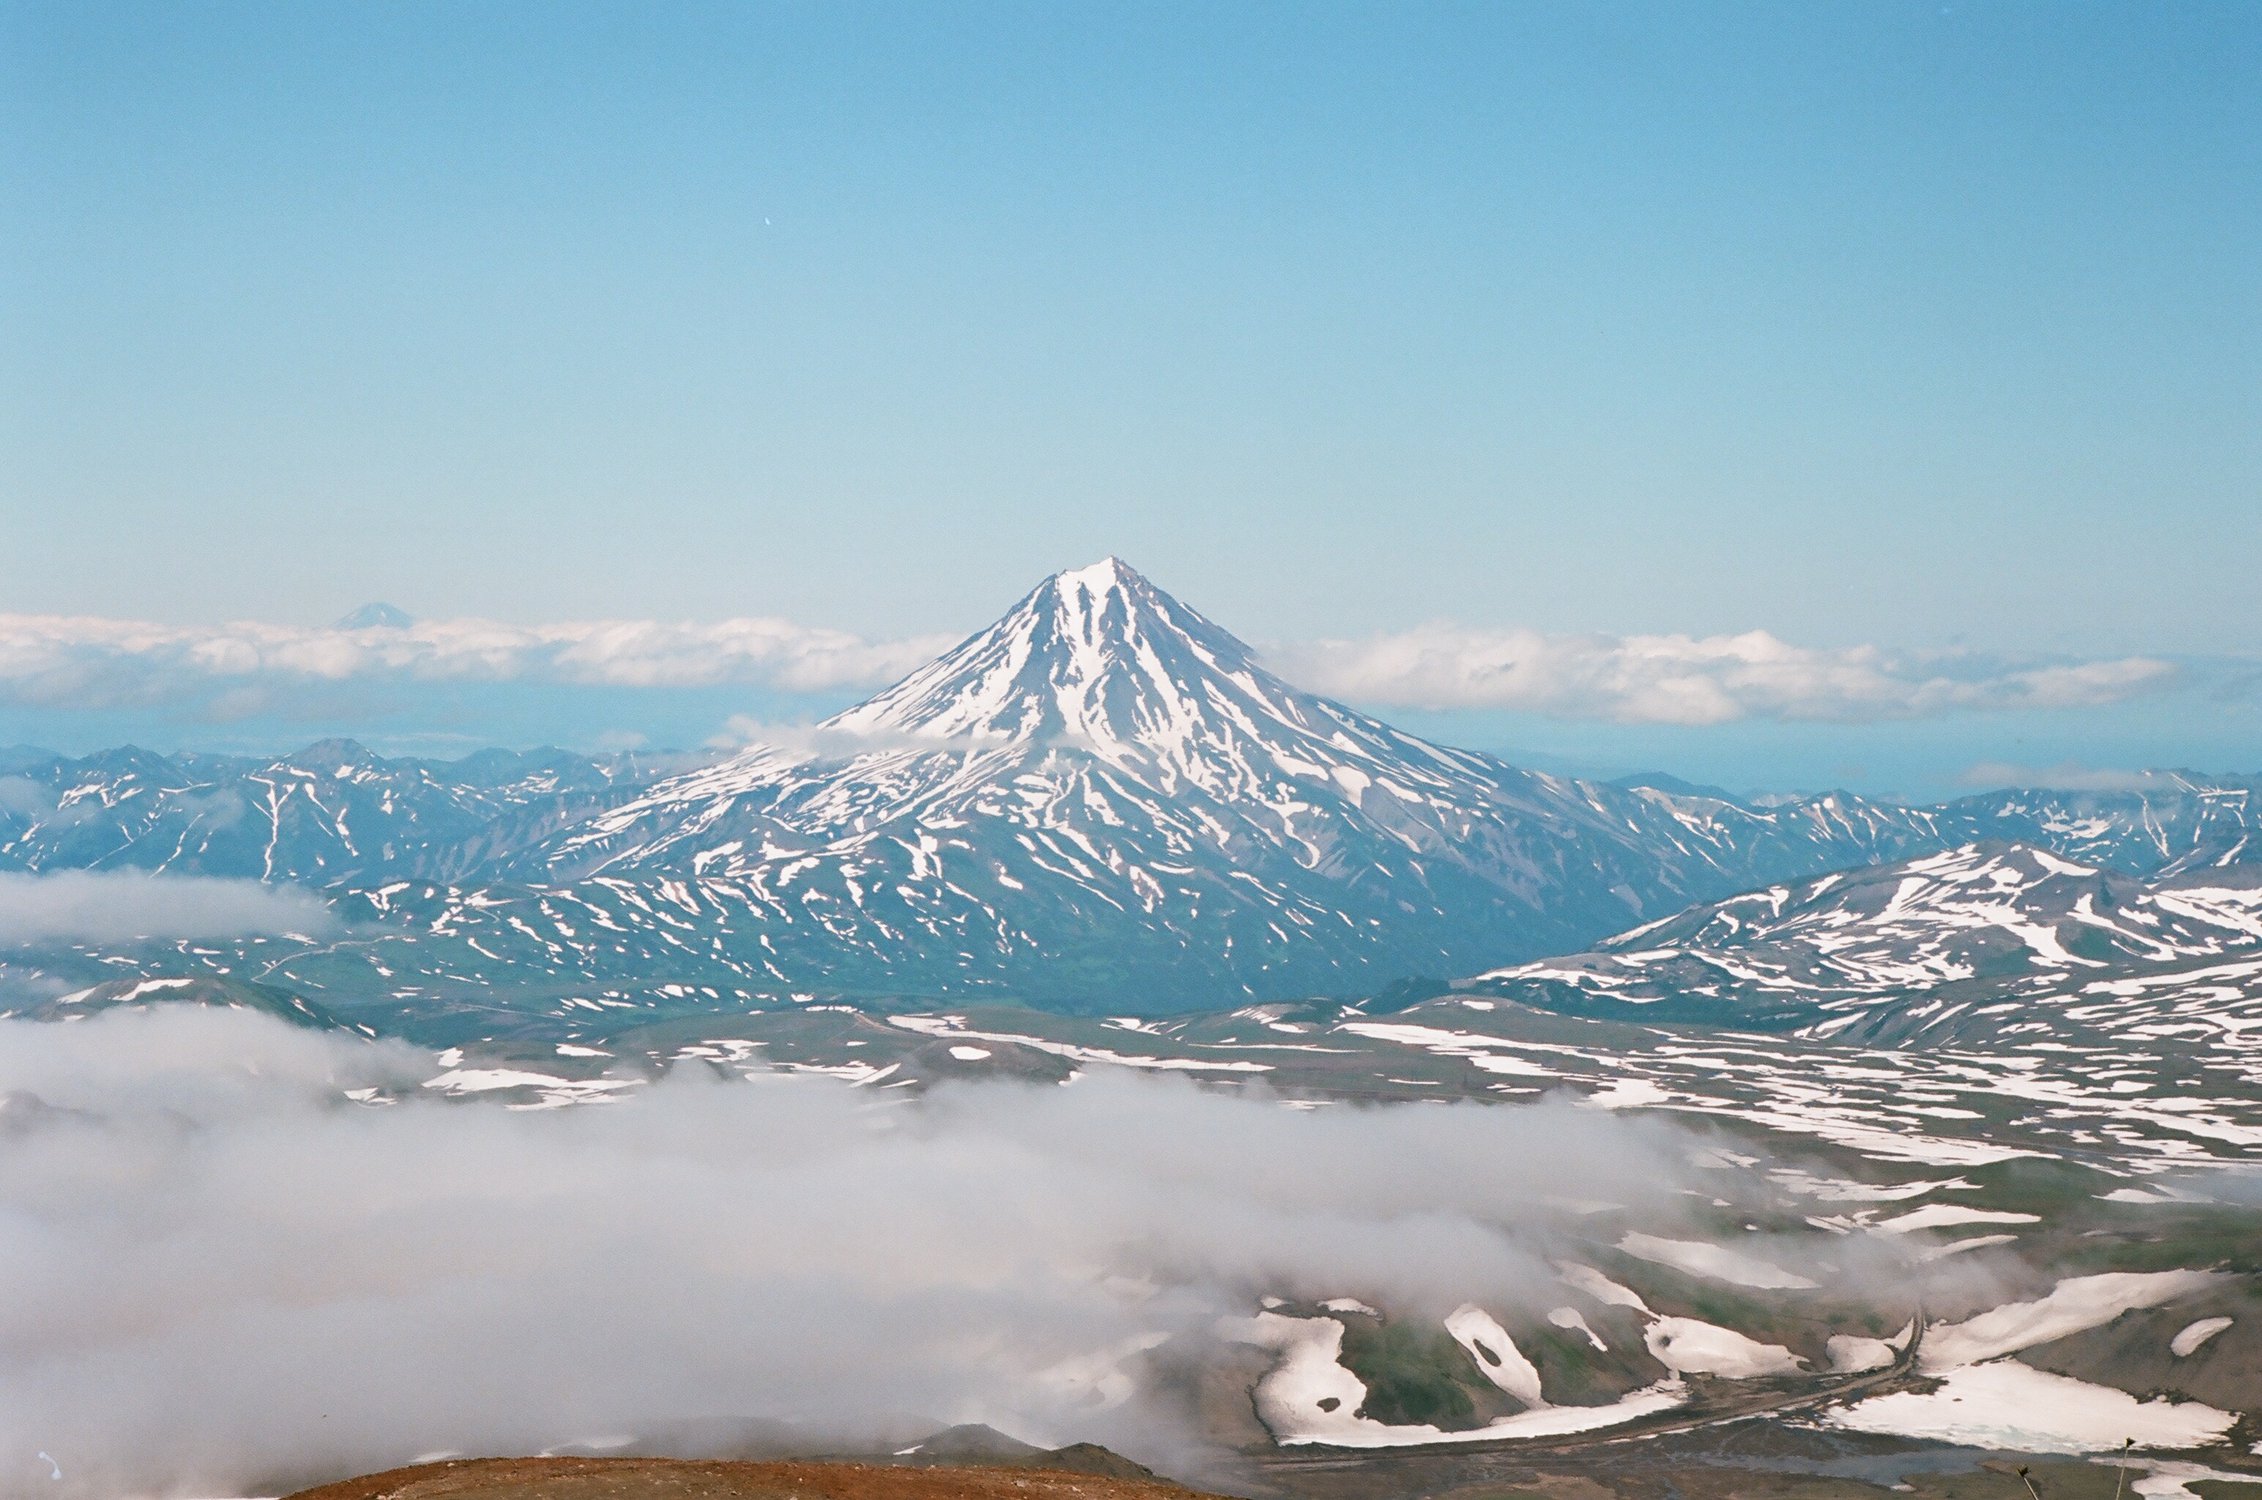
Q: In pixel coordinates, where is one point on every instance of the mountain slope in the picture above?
(1102, 801)
(2161, 822)
(332, 814)
(1963, 944)
(1105, 795)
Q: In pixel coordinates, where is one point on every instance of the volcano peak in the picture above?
(1096, 654)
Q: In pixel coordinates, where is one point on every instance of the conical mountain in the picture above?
(1100, 802)
(1104, 798)
(1097, 654)
(1103, 801)
(1101, 660)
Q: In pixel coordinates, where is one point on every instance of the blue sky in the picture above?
(1917, 327)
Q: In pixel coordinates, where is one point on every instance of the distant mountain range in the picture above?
(1102, 802)
(1967, 946)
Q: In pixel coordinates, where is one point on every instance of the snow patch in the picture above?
(2007, 1405)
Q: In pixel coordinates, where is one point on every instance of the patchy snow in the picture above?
(947, 1028)
(1098, 1381)
(1715, 1262)
(1495, 1352)
(552, 1091)
(2007, 1405)
(1571, 1318)
(151, 987)
(1309, 1397)
(1598, 1286)
(2186, 1343)
(1939, 1215)
(1850, 1355)
(1687, 1346)
(2076, 1304)
(2168, 1479)
(483, 1080)
(1840, 1190)
(1627, 1093)
(1958, 1247)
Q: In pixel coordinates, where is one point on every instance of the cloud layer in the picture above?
(1679, 679)
(88, 662)
(222, 1273)
(89, 906)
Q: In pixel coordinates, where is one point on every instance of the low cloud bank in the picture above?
(1678, 679)
(89, 661)
(222, 1273)
(88, 906)
(97, 663)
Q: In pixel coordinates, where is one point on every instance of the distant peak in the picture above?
(1095, 654)
(377, 616)
(1109, 572)
(331, 751)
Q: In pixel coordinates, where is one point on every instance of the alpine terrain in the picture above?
(1103, 801)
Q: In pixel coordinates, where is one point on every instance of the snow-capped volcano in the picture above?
(1101, 660)
(1113, 696)
(1097, 655)
(1104, 787)
(1103, 801)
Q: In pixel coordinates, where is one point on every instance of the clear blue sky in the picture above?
(1903, 323)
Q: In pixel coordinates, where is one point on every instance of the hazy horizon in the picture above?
(1915, 334)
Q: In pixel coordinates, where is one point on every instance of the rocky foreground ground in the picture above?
(677, 1479)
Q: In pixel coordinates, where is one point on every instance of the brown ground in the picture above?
(681, 1479)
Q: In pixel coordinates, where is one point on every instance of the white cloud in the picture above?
(114, 906)
(1679, 679)
(222, 1279)
(89, 662)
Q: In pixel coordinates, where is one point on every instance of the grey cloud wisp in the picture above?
(222, 1273)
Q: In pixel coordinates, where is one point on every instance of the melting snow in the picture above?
(1572, 1318)
(1495, 1352)
(2007, 1405)
(1716, 1262)
(2186, 1343)
(1687, 1346)
(1289, 1399)
(2078, 1303)
(1850, 1355)
(1935, 1215)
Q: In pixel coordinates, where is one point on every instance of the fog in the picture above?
(112, 906)
(222, 1272)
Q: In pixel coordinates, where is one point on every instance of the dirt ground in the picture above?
(679, 1479)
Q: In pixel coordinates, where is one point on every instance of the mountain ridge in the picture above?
(1957, 943)
(1103, 799)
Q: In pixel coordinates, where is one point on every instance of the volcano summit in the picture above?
(1103, 802)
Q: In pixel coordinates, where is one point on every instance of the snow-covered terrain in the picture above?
(1963, 1074)
(1102, 800)
(1968, 944)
